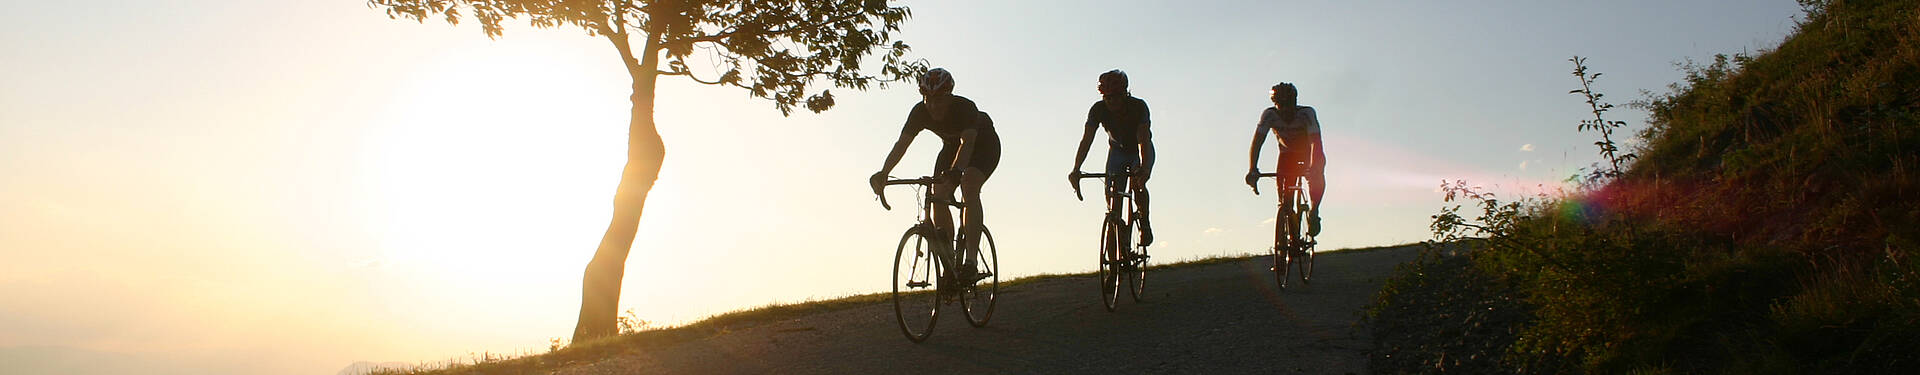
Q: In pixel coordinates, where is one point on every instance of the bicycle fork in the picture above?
(1122, 220)
(947, 252)
(936, 250)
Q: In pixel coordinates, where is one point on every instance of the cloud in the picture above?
(1213, 231)
(1523, 164)
(1271, 219)
(1526, 147)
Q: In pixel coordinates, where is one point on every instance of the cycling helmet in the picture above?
(1286, 91)
(1116, 77)
(936, 80)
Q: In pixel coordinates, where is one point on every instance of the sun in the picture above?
(495, 169)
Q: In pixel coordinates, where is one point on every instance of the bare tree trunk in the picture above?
(600, 288)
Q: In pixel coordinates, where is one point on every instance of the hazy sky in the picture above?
(247, 186)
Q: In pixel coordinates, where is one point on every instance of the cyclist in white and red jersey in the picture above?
(1297, 130)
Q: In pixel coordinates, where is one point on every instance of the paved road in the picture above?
(1217, 318)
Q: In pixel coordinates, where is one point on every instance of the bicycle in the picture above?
(1118, 259)
(919, 283)
(1291, 246)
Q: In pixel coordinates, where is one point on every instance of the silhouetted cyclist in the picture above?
(969, 152)
(1297, 130)
(1129, 142)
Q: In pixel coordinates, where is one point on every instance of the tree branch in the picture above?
(731, 31)
(620, 17)
(811, 26)
(694, 78)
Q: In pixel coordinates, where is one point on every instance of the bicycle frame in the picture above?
(965, 275)
(946, 253)
(1119, 259)
(1288, 241)
(1119, 198)
(1293, 196)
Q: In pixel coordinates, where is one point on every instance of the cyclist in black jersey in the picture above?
(969, 151)
(1129, 141)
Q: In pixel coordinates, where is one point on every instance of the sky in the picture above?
(228, 186)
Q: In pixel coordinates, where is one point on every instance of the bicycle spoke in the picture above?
(979, 298)
(915, 297)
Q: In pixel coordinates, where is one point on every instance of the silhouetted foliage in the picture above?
(1608, 150)
(1768, 224)
(773, 49)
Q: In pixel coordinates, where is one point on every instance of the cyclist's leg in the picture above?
(1118, 161)
(1146, 228)
(1140, 203)
(1140, 200)
(974, 218)
(943, 214)
(1317, 187)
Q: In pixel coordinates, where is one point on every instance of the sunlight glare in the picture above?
(496, 173)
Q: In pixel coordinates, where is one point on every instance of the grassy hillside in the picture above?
(1770, 222)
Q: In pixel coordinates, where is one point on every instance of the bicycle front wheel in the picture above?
(1282, 246)
(1110, 246)
(916, 280)
(978, 299)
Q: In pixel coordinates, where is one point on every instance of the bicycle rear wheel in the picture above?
(1109, 263)
(1136, 271)
(916, 279)
(978, 299)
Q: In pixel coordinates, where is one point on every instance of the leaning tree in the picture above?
(775, 49)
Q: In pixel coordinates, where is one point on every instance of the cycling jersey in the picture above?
(962, 114)
(1123, 126)
(1296, 136)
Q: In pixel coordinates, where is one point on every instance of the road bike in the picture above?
(923, 269)
(1119, 258)
(1292, 247)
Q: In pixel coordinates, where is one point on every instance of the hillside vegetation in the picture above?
(1766, 223)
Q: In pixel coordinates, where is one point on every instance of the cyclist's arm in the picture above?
(1313, 139)
(907, 133)
(1319, 153)
(1259, 138)
(1086, 138)
(1146, 143)
(965, 154)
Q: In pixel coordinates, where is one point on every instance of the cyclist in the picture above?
(1297, 130)
(969, 152)
(1129, 142)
